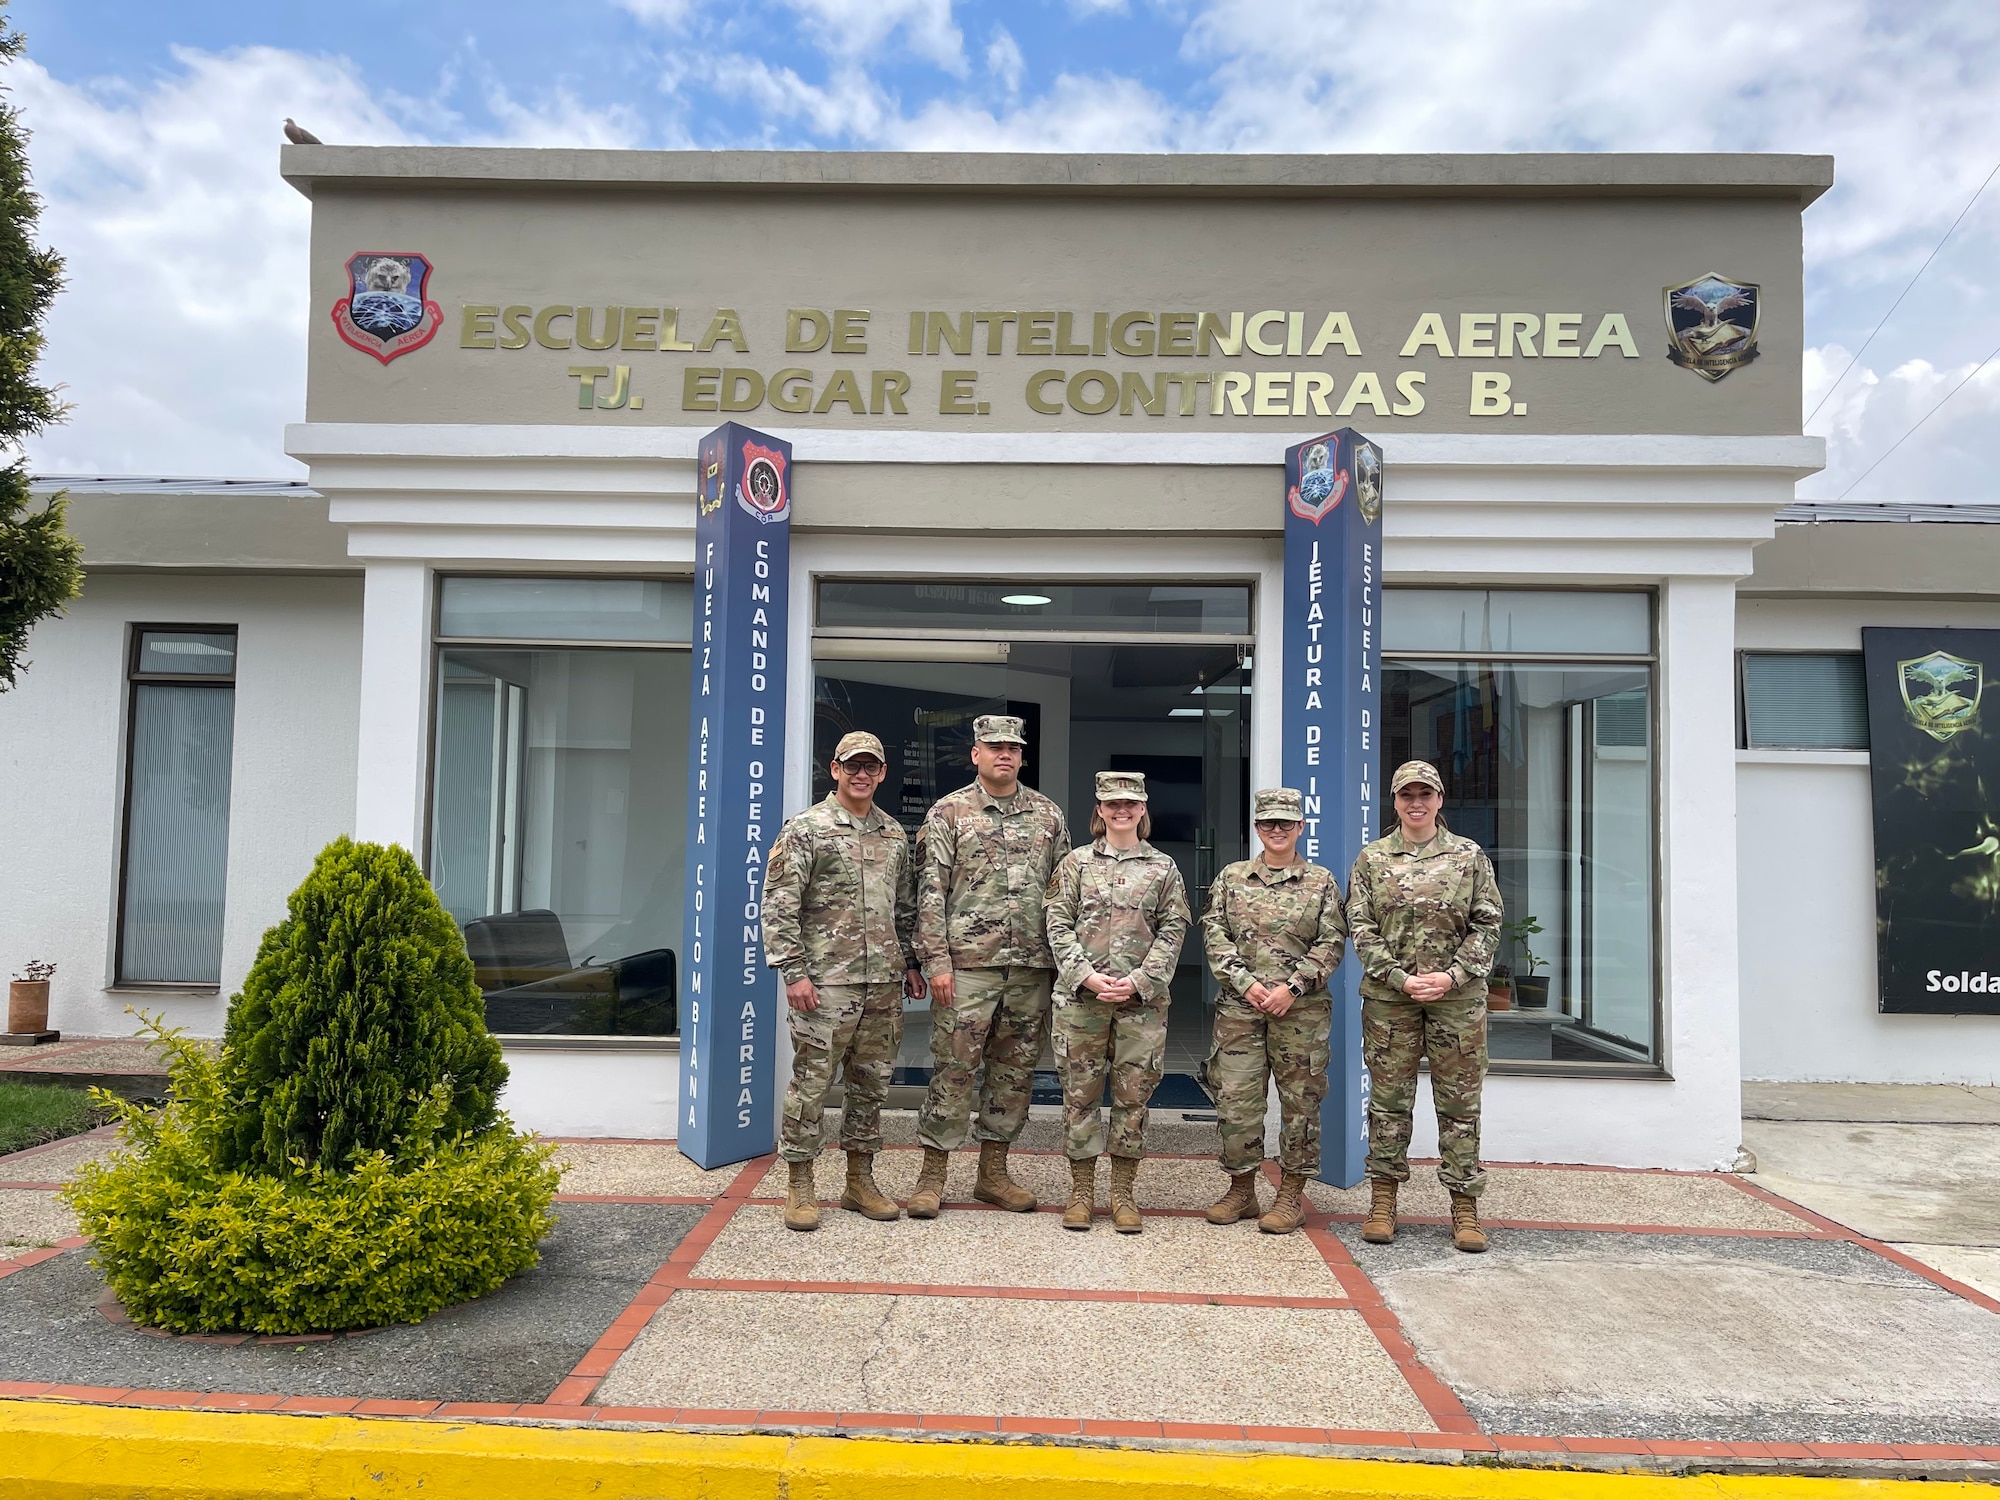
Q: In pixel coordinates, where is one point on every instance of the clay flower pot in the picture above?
(27, 1006)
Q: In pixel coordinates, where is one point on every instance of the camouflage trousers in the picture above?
(1252, 1047)
(1127, 1041)
(856, 1029)
(999, 1018)
(1451, 1034)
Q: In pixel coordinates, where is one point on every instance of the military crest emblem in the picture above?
(1368, 481)
(1712, 324)
(1941, 693)
(762, 490)
(385, 312)
(1322, 484)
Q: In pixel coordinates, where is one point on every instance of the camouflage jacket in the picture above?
(1274, 926)
(1422, 910)
(839, 901)
(1117, 912)
(984, 864)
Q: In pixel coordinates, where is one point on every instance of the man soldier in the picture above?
(1274, 930)
(839, 908)
(988, 851)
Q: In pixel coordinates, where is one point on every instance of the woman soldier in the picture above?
(1425, 915)
(1117, 913)
(1274, 929)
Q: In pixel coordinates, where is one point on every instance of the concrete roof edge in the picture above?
(1798, 178)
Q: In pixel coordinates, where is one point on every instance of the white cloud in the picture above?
(1097, 7)
(1004, 60)
(859, 30)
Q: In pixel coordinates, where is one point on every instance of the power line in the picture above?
(1920, 422)
(1856, 358)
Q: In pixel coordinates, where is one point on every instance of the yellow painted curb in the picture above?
(55, 1451)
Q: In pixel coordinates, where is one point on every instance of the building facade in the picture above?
(1038, 409)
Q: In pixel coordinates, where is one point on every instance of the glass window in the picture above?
(1025, 606)
(1518, 622)
(566, 609)
(182, 719)
(1795, 700)
(559, 786)
(1550, 767)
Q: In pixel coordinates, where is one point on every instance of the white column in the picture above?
(1698, 865)
(395, 671)
(1267, 701)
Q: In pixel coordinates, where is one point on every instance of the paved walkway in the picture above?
(1621, 1317)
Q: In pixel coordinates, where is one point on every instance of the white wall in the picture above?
(596, 1092)
(62, 740)
(1806, 883)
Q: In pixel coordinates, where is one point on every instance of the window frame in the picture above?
(136, 633)
(438, 645)
(1660, 1068)
(1743, 742)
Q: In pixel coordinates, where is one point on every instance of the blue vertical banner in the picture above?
(1332, 722)
(736, 767)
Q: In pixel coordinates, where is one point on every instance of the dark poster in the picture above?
(1935, 761)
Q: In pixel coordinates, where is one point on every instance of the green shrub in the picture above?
(360, 1004)
(194, 1246)
(342, 1164)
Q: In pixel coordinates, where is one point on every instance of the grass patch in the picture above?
(31, 1114)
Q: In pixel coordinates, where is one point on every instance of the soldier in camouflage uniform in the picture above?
(1117, 914)
(1274, 928)
(839, 914)
(1424, 911)
(988, 851)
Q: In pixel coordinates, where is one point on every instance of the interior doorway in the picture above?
(1176, 709)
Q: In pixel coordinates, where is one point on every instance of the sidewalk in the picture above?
(1622, 1318)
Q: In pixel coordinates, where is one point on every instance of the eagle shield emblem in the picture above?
(1941, 693)
(1322, 483)
(1712, 324)
(385, 312)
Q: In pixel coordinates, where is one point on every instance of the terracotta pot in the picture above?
(1500, 997)
(27, 1006)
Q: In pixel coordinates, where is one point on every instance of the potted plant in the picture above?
(28, 1002)
(1500, 988)
(1531, 990)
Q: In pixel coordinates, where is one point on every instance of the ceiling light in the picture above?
(1029, 599)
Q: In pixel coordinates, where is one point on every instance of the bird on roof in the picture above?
(298, 135)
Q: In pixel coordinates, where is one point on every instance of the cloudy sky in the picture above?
(181, 337)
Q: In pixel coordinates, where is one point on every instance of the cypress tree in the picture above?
(41, 566)
(360, 1002)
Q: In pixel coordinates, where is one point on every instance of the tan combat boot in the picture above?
(801, 1199)
(862, 1195)
(1380, 1226)
(1082, 1194)
(929, 1196)
(1124, 1197)
(994, 1186)
(1240, 1202)
(1289, 1212)
(1466, 1234)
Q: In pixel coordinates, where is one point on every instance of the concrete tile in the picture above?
(1164, 1182)
(1930, 1184)
(1168, 1131)
(29, 1218)
(1978, 1266)
(1552, 1195)
(656, 1171)
(988, 1248)
(100, 1055)
(975, 1356)
(1877, 1103)
(1672, 1337)
(58, 1161)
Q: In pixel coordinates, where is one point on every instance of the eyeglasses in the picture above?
(859, 766)
(1275, 825)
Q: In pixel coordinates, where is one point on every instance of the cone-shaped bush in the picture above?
(360, 1003)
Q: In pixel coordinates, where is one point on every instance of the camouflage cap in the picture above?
(1121, 786)
(859, 742)
(1278, 803)
(999, 729)
(1416, 770)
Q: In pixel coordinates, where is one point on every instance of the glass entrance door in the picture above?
(1225, 766)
